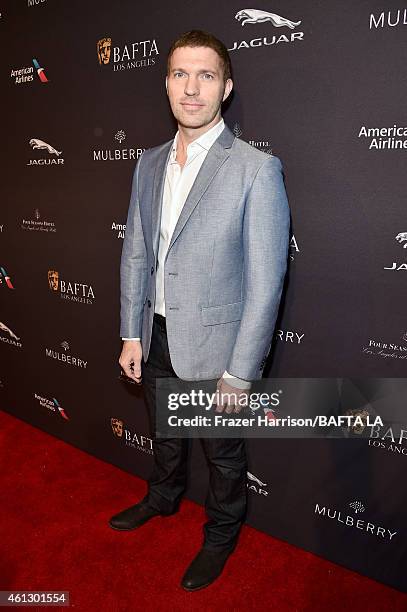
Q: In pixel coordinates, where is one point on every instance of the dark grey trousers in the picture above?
(226, 499)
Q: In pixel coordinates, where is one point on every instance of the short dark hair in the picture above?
(199, 38)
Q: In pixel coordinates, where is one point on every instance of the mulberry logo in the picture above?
(255, 16)
(64, 357)
(391, 19)
(38, 144)
(357, 506)
(103, 47)
(4, 278)
(116, 154)
(120, 136)
(350, 521)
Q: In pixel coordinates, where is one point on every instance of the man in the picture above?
(202, 271)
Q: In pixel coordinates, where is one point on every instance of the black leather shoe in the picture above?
(133, 517)
(204, 569)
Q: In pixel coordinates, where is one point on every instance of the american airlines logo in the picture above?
(255, 16)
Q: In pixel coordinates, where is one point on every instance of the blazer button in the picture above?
(149, 303)
(152, 270)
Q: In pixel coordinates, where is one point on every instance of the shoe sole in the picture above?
(140, 524)
(203, 586)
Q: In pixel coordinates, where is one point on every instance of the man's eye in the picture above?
(207, 76)
(178, 74)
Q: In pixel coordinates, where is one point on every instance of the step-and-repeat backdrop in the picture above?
(319, 84)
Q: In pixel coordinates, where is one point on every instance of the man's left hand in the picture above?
(229, 399)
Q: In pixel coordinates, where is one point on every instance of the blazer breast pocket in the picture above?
(225, 313)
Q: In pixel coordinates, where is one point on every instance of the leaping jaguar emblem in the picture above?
(254, 478)
(255, 16)
(401, 237)
(6, 329)
(40, 144)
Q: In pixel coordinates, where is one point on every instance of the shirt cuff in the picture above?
(130, 338)
(239, 383)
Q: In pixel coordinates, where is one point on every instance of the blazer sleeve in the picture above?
(266, 225)
(133, 267)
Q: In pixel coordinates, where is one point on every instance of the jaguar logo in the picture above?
(40, 144)
(6, 329)
(254, 478)
(402, 237)
(255, 16)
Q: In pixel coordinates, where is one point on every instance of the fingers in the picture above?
(130, 360)
(229, 399)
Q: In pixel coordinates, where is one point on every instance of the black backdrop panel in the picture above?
(326, 96)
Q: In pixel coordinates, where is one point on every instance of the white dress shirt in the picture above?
(178, 183)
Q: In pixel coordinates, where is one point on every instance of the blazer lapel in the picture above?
(215, 158)
(158, 192)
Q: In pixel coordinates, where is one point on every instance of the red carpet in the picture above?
(56, 501)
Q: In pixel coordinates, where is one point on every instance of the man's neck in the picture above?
(188, 135)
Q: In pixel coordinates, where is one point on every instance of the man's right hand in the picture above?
(130, 359)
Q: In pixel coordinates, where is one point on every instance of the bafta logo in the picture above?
(117, 427)
(53, 277)
(103, 47)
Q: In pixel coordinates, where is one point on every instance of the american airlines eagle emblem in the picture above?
(40, 144)
(255, 16)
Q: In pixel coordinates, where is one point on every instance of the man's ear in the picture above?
(228, 89)
(166, 83)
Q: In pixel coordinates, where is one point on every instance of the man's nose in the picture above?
(191, 87)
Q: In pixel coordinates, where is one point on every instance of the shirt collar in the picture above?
(205, 141)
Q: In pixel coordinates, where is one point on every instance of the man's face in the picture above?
(195, 86)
